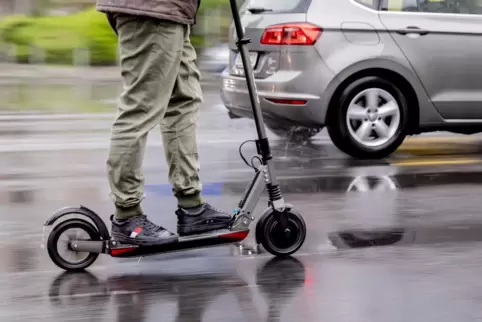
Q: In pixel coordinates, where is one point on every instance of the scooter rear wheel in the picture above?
(55, 245)
(278, 241)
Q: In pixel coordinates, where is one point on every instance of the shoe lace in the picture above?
(216, 209)
(148, 225)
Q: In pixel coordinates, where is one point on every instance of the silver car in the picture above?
(371, 71)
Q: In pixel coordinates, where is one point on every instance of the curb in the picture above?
(441, 146)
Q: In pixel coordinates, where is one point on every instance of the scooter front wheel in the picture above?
(58, 244)
(281, 241)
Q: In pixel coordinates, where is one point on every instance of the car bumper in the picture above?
(235, 96)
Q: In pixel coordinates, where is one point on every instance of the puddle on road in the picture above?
(30, 191)
(365, 183)
(194, 293)
(435, 234)
(21, 196)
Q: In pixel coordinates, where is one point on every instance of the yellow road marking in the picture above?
(440, 150)
(442, 139)
(427, 162)
(440, 145)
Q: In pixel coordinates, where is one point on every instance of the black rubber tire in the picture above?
(259, 235)
(338, 129)
(272, 238)
(54, 237)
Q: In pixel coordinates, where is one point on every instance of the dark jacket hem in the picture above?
(143, 12)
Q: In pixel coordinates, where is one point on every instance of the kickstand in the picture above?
(139, 260)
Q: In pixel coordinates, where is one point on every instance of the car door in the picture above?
(442, 39)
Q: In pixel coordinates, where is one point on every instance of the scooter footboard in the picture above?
(185, 243)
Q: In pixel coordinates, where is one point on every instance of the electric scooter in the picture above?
(281, 230)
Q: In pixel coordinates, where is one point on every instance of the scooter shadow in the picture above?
(278, 280)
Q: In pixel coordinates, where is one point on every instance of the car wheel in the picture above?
(294, 133)
(370, 120)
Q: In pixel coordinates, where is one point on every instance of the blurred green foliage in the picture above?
(58, 36)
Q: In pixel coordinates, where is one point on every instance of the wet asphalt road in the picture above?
(422, 207)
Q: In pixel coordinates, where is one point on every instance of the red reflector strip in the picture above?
(120, 251)
(238, 235)
(287, 102)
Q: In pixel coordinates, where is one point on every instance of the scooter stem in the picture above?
(263, 146)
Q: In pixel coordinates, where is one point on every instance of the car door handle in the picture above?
(412, 30)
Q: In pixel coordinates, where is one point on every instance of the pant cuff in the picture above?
(127, 212)
(189, 201)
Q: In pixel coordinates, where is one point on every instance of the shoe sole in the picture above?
(132, 241)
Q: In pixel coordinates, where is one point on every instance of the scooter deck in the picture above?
(189, 242)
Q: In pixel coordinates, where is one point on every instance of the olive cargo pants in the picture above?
(161, 87)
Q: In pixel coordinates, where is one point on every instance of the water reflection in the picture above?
(372, 201)
(278, 280)
(136, 297)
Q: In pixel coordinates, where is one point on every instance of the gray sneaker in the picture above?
(141, 231)
(202, 219)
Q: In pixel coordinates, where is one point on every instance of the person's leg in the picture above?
(180, 146)
(150, 57)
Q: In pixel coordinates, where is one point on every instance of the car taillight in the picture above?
(291, 34)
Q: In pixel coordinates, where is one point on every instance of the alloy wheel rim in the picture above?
(63, 245)
(373, 117)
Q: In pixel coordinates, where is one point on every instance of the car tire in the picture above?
(377, 138)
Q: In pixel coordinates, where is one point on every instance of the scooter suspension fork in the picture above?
(274, 191)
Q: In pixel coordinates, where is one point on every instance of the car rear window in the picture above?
(277, 6)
